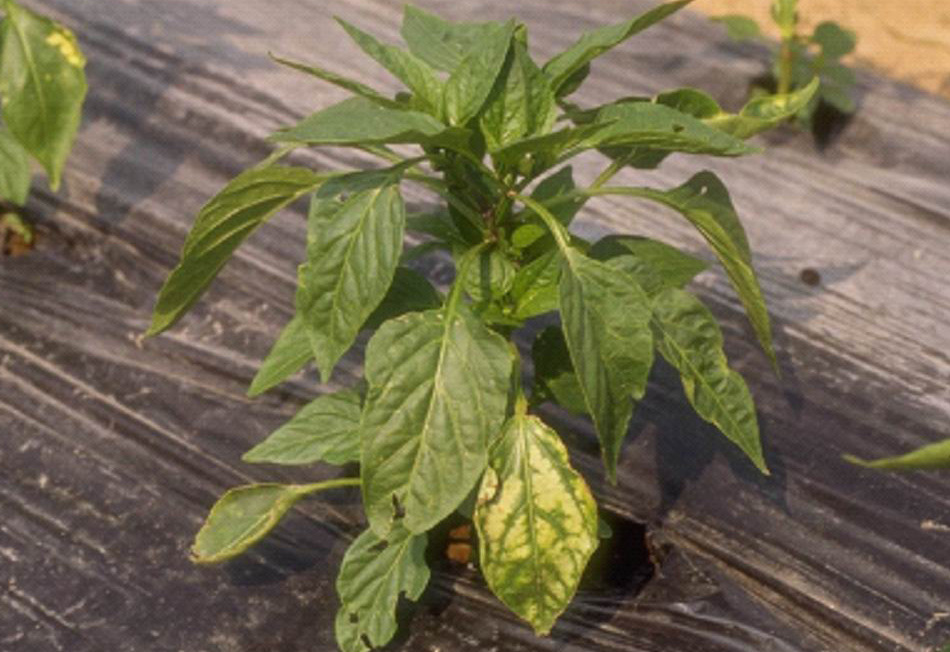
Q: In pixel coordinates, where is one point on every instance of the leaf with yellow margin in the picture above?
(536, 520)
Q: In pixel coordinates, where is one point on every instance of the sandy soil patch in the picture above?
(906, 39)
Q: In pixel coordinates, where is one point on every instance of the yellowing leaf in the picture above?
(14, 169)
(42, 84)
(537, 522)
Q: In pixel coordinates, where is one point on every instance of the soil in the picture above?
(905, 39)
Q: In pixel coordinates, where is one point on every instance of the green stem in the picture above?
(556, 228)
(455, 294)
(382, 152)
(278, 154)
(785, 68)
(438, 186)
(306, 489)
(785, 13)
(615, 166)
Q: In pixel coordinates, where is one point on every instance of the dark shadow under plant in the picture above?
(442, 423)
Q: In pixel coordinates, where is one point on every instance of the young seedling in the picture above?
(42, 88)
(802, 57)
(442, 415)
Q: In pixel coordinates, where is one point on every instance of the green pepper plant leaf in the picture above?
(42, 89)
(443, 420)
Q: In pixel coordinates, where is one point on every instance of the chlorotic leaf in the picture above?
(289, 354)
(594, 43)
(470, 83)
(537, 522)
(605, 316)
(688, 337)
(373, 574)
(361, 121)
(931, 456)
(326, 429)
(410, 292)
(438, 390)
(521, 103)
(440, 43)
(705, 202)
(222, 224)
(43, 85)
(352, 252)
(14, 169)
(241, 518)
(410, 70)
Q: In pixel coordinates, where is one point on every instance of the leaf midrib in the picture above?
(357, 232)
(437, 391)
(532, 526)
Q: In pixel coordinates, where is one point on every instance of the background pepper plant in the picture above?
(442, 415)
(802, 57)
(42, 88)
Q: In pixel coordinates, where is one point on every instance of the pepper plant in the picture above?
(42, 88)
(442, 421)
(802, 57)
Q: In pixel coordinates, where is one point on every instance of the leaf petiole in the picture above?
(314, 487)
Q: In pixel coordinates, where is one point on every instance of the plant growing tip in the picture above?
(442, 414)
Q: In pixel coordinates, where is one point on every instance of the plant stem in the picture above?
(305, 489)
(556, 228)
(785, 68)
(438, 186)
(615, 166)
(455, 294)
(785, 13)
